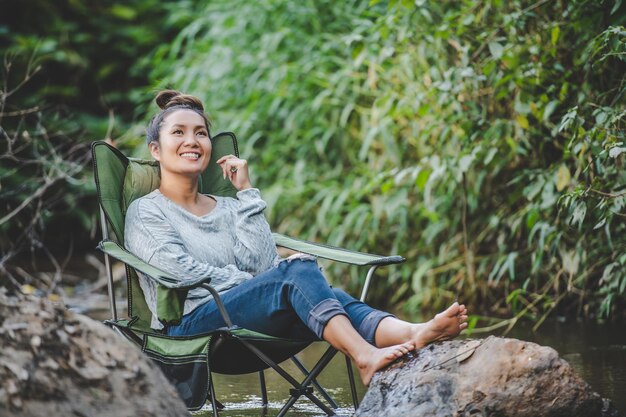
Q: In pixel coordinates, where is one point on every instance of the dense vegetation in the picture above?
(72, 72)
(484, 141)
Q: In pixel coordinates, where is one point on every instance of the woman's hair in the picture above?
(169, 101)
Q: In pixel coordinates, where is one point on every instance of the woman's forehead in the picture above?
(184, 117)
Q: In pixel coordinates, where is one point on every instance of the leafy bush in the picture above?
(71, 73)
(482, 140)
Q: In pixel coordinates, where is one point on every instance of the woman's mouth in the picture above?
(190, 155)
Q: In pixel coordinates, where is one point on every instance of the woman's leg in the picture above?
(383, 329)
(340, 333)
(279, 301)
(445, 325)
(292, 300)
(364, 318)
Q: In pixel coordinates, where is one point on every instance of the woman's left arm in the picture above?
(255, 250)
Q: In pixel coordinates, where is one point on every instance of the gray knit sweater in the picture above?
(231, 244)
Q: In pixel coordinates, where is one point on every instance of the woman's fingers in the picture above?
(236, 170)
(230, 165)
(225, 157)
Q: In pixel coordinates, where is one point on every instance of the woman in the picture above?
(192, 235)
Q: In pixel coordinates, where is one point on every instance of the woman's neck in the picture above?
(182, 191)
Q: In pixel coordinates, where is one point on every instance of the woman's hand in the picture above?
(236, 170)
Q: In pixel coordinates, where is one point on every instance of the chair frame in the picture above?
(302, 388)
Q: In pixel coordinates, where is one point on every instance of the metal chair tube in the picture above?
(291, 380)
(219, 303)
(107, 265)
(263, 388)
(368, 279)
(314, 382)
(355, 398)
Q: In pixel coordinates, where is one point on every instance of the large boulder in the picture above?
(56, 363)
(489, 377)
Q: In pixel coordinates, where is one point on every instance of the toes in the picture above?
(401, 350)
(453, 310)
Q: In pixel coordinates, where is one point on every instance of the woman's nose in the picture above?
(190, 138)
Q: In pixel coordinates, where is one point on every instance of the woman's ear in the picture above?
(154, 150)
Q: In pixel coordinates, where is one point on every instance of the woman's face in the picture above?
(184, 146)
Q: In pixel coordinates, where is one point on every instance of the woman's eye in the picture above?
(177, 132)
(202, 133)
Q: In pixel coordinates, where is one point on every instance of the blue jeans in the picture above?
(292, 300)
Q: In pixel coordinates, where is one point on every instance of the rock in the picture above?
(488, 377)
(57, 363)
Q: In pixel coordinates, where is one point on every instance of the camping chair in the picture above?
(189, 362)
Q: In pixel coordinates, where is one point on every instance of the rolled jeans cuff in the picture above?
(367, 328)
(322, 313)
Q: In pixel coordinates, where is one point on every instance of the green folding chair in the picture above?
(189, 362)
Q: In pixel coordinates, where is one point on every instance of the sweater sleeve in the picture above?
(255, 249)
(151, 237)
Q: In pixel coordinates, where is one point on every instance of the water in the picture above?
(241, 394)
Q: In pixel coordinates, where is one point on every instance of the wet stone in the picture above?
(480, 378)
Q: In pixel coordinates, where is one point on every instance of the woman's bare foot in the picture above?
(377, 359)
(446, 325)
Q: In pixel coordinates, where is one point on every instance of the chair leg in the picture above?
(263, 389)
(310, 376)
(314, 382)
(213, 400)
(299, 388)
(292, 400)
(355, 399)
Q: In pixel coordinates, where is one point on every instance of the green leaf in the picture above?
(465, 162)
(549, 109)
(496, 49)
(562, 177)
(422, 178)
(522, 121)
(616, 6)
(579, 213)
(123, 12)
(531, 218)
(556, 32)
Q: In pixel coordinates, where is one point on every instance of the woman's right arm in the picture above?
(151, 237)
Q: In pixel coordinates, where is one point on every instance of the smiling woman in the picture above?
(196, 236)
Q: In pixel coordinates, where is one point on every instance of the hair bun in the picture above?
(170, 98)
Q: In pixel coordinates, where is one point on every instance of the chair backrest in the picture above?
(121, 180)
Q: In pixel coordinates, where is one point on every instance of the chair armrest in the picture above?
(334, 253)
(115, 250)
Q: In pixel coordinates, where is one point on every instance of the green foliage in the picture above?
(482, 140)
(68, 68)
(92, 56)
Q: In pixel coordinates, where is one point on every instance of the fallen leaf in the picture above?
(467, 350)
